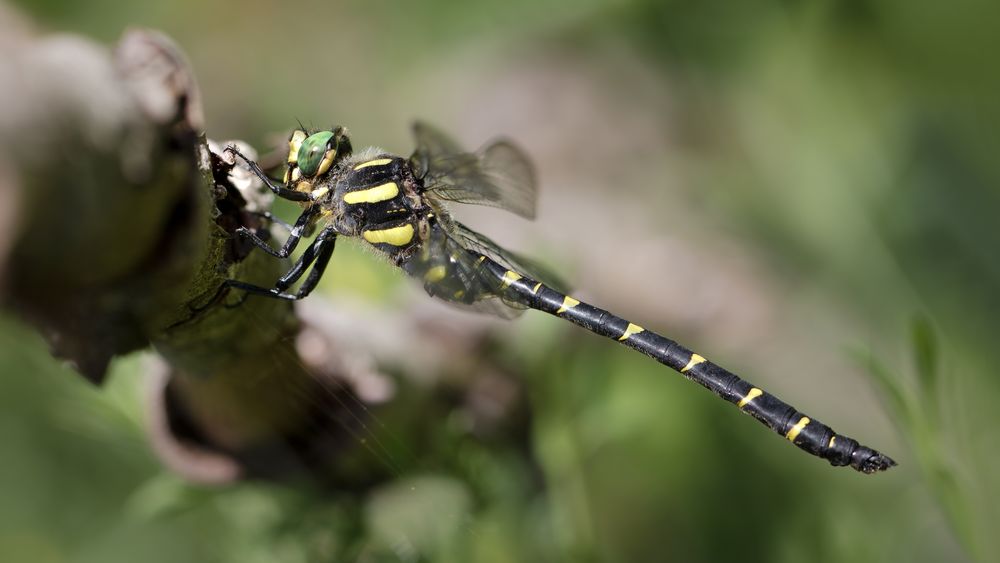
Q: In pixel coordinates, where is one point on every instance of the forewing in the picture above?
(498, 175)
(432, 142)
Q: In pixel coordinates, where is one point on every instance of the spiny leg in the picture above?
(279, 191)
(294, 234)
(318, 255)
(312, 255)
(270, 217)
(322, 259)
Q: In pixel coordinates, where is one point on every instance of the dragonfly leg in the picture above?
(279, 191)
(317, 255)
(294, 235)
(322, 259)
(270, 217)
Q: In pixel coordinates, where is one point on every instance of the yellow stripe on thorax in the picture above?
(751, 395)
(793, 433)
(383, 192)
(630, 330)
(695, 360)
(376, 162)
(396, 236)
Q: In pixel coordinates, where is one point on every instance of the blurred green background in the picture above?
(805, 192)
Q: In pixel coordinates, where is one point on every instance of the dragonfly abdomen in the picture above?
(805, 432)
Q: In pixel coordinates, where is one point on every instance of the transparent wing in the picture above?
(453, 273)
(499, 174)
(431, 144)
(511, 260)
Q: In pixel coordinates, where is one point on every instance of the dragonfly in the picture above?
(400, 207)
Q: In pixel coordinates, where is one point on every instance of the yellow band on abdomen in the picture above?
(567, 304)
(793, 433)
(508, 278)
(695, 360)
(751, 395)
(629, 331)
(435, 274)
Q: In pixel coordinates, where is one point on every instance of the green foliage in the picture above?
(918, 406)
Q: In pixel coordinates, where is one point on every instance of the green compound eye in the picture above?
(316, 155)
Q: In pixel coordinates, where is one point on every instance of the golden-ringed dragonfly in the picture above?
(397, 206)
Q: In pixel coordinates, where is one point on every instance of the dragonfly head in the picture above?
(311, 155)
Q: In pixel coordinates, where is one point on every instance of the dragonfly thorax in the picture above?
(377, 197)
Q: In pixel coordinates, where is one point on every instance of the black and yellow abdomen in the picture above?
(807, 433)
